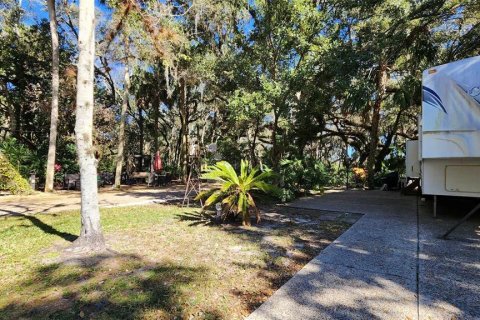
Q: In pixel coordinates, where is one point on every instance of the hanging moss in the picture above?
(10, 178)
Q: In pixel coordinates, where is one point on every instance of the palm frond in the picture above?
(250, 200)
(262, 176)
(243, 169)
(227, 185)
(251, 176)
(266, 187)
(205, 193)
(214, 197)
(253, 205)
(227, 171)
(242, 203)
(230, 200)
(214, 173)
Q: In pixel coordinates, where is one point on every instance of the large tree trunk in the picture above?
(14, 113)
(91, 236)
(156, 116)
(385, 151)
(155, 125)
(372, 152)
(12, 125)
(178, 160)
(52, 144)
(274, 141)
(253, 144)
(121, 131)
(141, 128)
(184, 130)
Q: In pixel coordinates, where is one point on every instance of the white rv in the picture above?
(447, 155)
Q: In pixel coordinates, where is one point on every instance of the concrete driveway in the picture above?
(389, 265)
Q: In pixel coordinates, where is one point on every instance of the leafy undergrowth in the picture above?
(10, 179)
(163, 262)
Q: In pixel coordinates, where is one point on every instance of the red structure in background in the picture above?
(157, 163)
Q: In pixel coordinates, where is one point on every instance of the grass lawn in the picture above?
(164, 262)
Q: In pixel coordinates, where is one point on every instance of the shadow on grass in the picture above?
(107, 286)
(47, 228)
(20, 209)
(197, 218)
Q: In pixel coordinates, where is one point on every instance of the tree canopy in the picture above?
(333, 82)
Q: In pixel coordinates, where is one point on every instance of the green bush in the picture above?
(230, 151)
(25, 160)
(10, 179)
(287, 195)
(299, 175)
(337, 177)
(67, 158)
(21, 158)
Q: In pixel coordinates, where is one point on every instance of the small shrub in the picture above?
(235, 192)
(300, 175)
(287, 195)
(67, 158)
(10, 179)
(21, 158)
(359, 176)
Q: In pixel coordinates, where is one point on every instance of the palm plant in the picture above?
(235, 191)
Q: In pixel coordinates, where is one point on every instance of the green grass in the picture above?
(24, 237)
(163, 264)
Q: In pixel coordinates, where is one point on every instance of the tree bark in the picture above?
(274, 141)
(385, 151)
(121, 131)
(12, 125)
(156, 105)
(184, 130)
(372, 152)
(91, 236)
(253, 144)
(141, 128)
(52, 144)
(156, 115)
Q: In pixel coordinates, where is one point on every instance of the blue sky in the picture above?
(36, 10)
